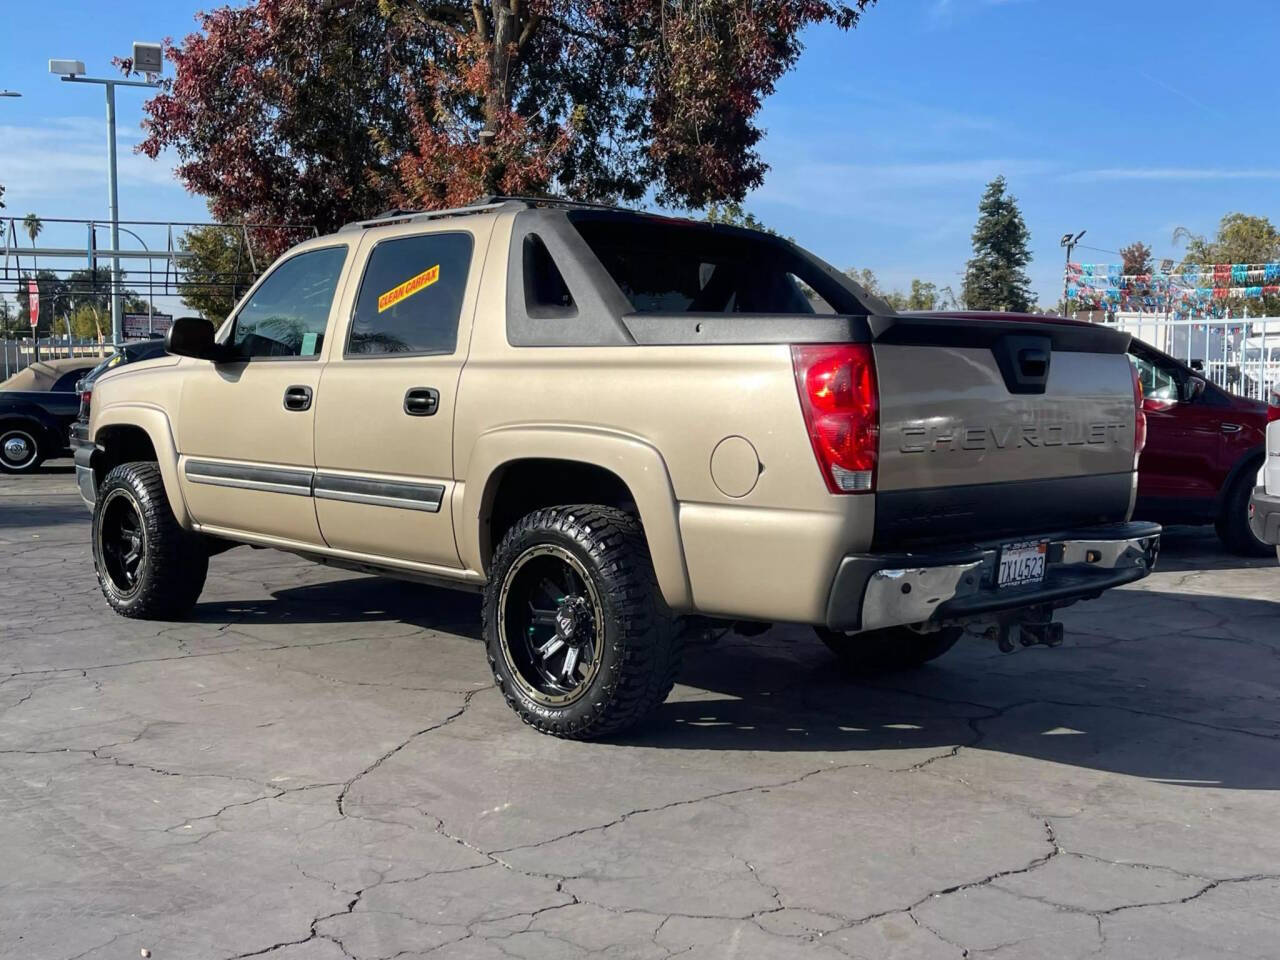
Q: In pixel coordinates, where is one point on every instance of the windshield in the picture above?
(130, 353)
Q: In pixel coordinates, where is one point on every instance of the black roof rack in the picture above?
(481, 205)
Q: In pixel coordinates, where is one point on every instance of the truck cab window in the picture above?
(411, 295)
(287, 315)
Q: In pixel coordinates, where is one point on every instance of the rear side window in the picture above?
(411, 296)
(287, 315)
(673, 267)
(546, 295)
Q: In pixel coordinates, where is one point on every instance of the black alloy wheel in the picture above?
(552, 625)
(148, 567)
(581, 644)
(122, 541)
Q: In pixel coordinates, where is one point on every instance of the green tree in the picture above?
(89, 321)
(922, 296)
(996, 277)
(1241, 238)
(218, 273)
(52, 291)
(33, 226)
(734, 215)
(9, 319)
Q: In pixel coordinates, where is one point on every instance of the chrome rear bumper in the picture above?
(875, 591)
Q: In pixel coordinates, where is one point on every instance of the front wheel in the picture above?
(890, 650)
(19, 449)
(1233, 526)
(579, 639)
(148, 567)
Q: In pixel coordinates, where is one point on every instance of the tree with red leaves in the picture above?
(322, 111)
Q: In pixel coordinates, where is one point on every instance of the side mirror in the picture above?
(193, 337)
(1192, 388)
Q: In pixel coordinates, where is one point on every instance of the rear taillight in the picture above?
(841, 404)
(1273, 413)
(1139, 418)
(85, 397)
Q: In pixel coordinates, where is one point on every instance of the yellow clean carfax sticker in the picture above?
(407, 289)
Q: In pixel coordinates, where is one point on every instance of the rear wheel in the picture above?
(1233, 525)
(888, 651)
(579, 639)
(148, 567)
(19, 449)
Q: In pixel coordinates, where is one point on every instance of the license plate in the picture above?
(1022, 563)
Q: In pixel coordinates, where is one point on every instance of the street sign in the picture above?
(140, 325)
(33, 302)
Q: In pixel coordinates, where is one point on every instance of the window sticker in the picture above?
(407, 289)
(308, 344)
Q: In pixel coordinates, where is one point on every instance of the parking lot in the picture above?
(318, 766)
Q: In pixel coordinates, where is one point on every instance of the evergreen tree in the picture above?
(996, 278)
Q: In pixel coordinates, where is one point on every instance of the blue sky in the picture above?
(1127, 119)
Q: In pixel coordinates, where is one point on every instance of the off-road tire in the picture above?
(640, 649)
(891, 650)
(174, 563)
(29, 435)
(1233, 525)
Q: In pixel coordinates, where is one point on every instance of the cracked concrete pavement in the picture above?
(317, 766)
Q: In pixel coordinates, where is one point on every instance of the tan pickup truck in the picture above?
(615, 425)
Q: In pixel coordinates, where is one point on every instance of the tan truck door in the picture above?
(245, 426)
(385, 411)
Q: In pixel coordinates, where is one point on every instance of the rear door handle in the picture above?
(297, 397)
(421, 401)
(1231, 428)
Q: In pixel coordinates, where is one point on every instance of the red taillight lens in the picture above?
(1273, 413)
(1139, 419)
(841, 404)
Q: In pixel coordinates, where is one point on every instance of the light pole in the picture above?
(1069, 242)
(151, 329)
(146, 57)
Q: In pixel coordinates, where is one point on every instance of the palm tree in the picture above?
(33, 225)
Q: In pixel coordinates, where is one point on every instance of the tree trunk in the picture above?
(502, 50)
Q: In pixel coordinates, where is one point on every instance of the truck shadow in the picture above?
(1174, 687)
(1201, 710)
(354, 600)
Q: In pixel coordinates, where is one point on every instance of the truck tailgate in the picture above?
(999, 428)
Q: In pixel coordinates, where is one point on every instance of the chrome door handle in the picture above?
(297, 397)
(1231, 428)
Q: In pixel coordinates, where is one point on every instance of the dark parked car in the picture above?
(1204, 449)
(36, 406)
(129, 353)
